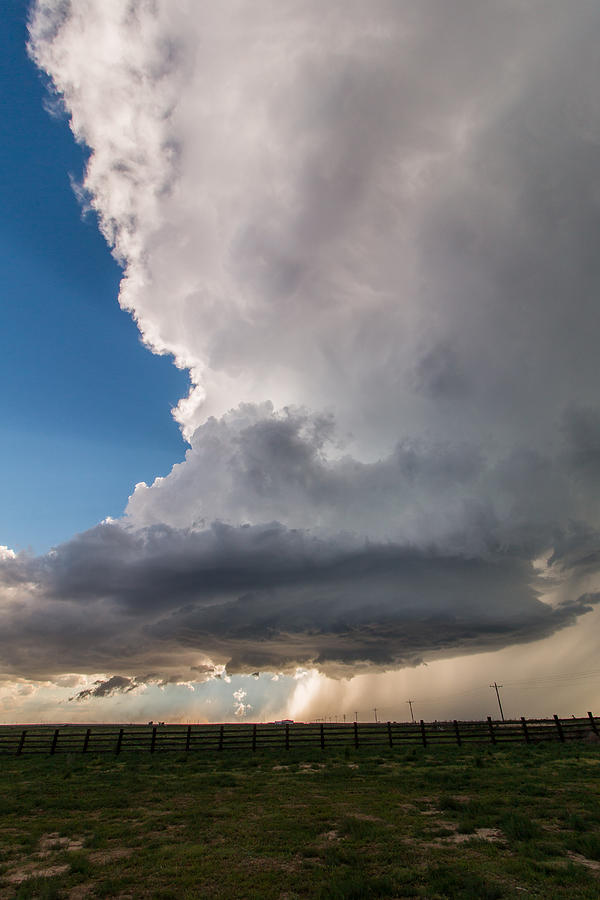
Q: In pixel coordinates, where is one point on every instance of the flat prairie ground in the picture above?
(489, 822)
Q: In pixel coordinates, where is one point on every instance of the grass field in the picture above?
(491, 822)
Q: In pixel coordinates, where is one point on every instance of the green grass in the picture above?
(441, 823)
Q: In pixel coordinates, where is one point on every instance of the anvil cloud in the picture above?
(368, 230)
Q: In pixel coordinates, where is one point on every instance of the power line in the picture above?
(541, 681)
(551, 678)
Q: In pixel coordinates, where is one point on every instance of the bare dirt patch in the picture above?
(591, 864)
(18, 876)
(53, 842)
(81, 890)
(492, 835)
(484, 834)
(49, 844)
(329, 837)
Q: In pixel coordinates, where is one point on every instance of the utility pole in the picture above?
(410, 703)
(344, 718)
(496, 688)
(375, 711)
(356, 716)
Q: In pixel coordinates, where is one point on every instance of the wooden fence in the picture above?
(252, 737)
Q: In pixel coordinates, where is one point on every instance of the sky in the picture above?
(83, 409)
(323, 433)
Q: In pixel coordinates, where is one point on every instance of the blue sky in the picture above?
(85, 407)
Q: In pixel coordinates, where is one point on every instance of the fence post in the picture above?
(119, 741)
(457, 733)
(491, 728)
(423, 735)
(54, 742)
(389, 728)
(592, 723)
(322, 736)
(188, 739)
(221, 736)
(21, 742)
(356, 735)
(287, 737)
(153, 741)
(86, 740)
(254, 738)
(525, 731)
(561, 736)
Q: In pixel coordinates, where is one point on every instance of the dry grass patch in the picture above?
(102, 857)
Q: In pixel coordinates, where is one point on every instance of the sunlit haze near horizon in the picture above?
(364, 234)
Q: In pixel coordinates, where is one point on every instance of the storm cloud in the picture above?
(274, 597)
(368, 231)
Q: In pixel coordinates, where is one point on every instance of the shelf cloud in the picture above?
(469, 565)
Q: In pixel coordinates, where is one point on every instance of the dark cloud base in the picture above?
(168, 601)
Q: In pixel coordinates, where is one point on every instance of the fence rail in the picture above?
(252, 737)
